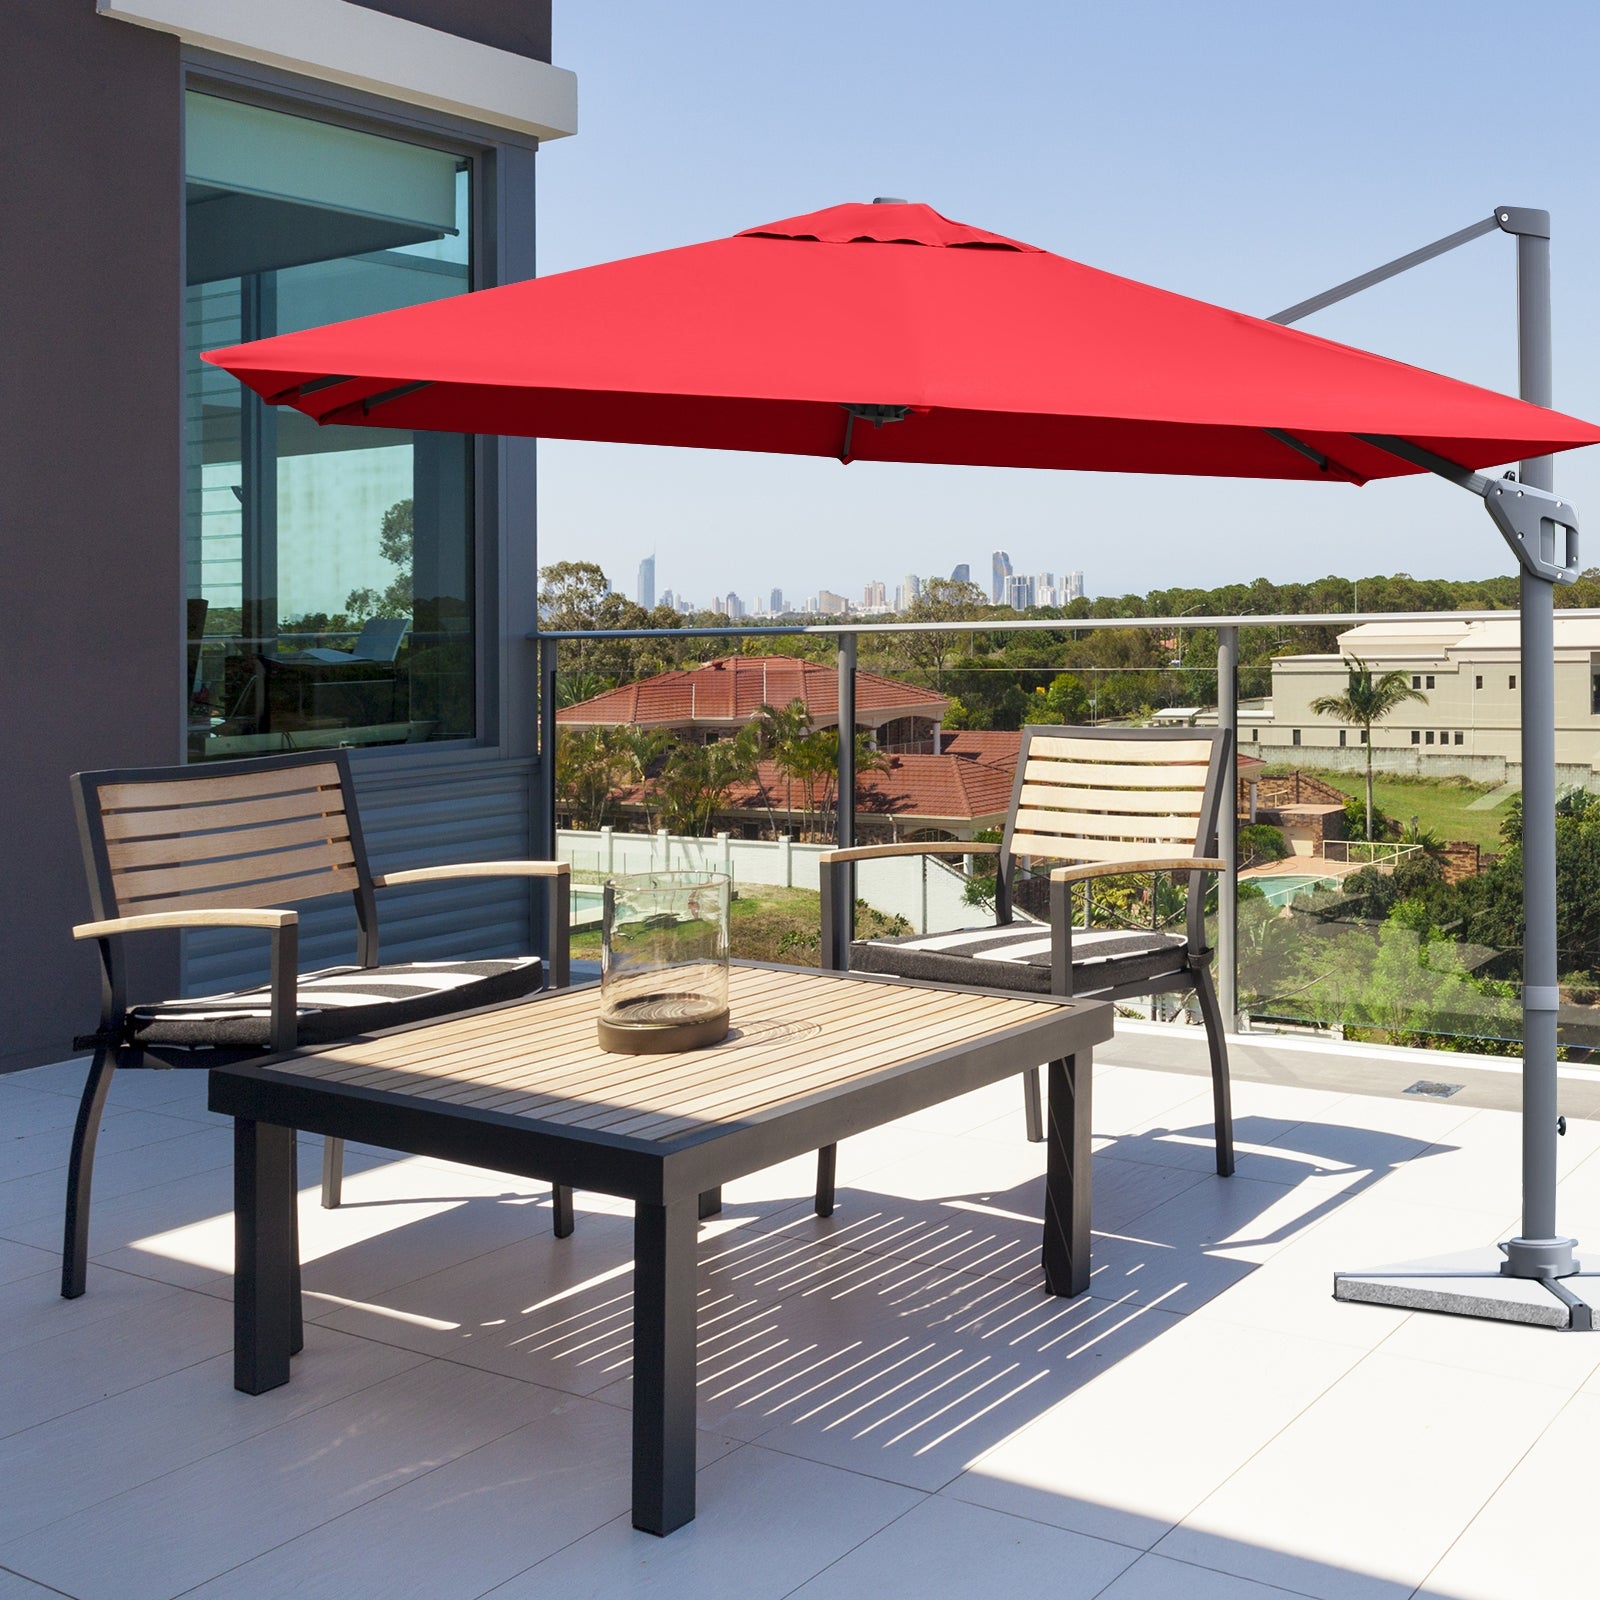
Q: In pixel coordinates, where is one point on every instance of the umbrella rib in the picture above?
(1323, 463)
(298, 391)
(373, 401)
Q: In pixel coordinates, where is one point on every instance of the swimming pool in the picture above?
(587, 905)
(1283, 888)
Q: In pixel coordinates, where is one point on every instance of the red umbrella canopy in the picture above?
(890, 333)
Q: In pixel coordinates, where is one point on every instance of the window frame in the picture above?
(205, 72)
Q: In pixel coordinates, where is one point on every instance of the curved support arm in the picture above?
(152, 921)
(833, 868)
(1114, 869)
(915, 847)
(282, 926)
(558, 901)
(1062, 879)
(473, 869)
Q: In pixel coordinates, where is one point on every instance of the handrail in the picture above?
(1291, 619)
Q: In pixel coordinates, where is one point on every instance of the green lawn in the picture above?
(766, 923)
(1438, 804)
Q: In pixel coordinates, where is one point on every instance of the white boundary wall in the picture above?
(925, 891)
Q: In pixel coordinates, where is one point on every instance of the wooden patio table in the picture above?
(525, 1088)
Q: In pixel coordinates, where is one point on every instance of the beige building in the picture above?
(1471, 721)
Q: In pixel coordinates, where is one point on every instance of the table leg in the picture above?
(264, 1274)
(1067, 1174)
(663, 1365)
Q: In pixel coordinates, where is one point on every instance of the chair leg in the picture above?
(561, 1204)
(827, 1167)
(80, 1173)
(1221, 1094)
(332, 1173)
(1031, 1110)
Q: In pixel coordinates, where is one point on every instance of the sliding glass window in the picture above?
(330, 570)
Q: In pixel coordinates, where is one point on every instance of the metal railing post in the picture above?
(545, 843)
(1228, 831)
(845, 832)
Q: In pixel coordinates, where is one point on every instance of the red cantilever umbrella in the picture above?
(890, 333)
(813, 336)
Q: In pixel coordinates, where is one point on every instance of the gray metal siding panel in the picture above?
(458, 810)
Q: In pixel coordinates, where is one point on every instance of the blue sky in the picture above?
(1246, 153)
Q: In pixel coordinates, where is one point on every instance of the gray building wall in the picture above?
(91, 579)
(91, 556)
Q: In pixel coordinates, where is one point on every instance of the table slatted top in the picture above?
(795, 1034)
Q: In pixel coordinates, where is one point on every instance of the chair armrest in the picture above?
(250, 917)
(473, 869)
(1113, 869)
(281, 925)
(916, 847)
(558, 879)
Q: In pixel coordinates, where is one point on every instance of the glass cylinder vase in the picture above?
(664, 962)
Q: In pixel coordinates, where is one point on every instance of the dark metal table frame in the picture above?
(665, 1179)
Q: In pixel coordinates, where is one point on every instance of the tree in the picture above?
(591, 765)
(397, 545)
(1065, 701)
(697, 779)
(941, 600)
(777, 734)
(1366, 700)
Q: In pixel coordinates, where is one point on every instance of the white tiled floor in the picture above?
(889, 1403)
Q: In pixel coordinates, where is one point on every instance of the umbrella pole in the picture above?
(1532, 1278)
(1538, 1252)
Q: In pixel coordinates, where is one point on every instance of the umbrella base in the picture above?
(1471, 1284)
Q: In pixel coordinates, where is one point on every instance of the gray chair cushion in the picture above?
(338, 1002)
(1017, 956)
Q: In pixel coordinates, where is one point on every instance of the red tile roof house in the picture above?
(954, 794)
(719, 697)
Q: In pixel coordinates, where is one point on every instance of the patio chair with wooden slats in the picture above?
(236, 847)
(1103, 802)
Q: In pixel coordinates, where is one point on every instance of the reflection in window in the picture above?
(329, 569)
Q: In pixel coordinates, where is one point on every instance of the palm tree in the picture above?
(778, 734)
(1366, 700)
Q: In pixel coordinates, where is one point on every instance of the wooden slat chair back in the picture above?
(1096, 803)
(240, 846)
(273, 837)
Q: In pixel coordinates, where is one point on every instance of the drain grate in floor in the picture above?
(1439, 1091)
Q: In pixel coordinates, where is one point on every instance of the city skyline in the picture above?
(876, 595)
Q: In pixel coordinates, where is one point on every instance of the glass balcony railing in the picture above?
(1404, 930)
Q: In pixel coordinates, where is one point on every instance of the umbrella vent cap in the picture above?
(885, 221)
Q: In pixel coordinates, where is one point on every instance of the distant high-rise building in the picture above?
(1019, 591)
(1071, 586)
(1044, 589)
(831, 604)
(685, 606)
(911, 586)
(775, 605)
(1000, 570)
(810, 608)
(874, 597)
(669, 600)
(647, 583)
(719, 604)
(961, 573)
(734, 606)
